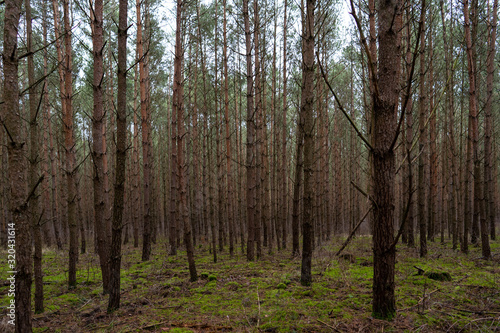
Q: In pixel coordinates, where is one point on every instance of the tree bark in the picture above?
(146, 139)
(472, 159)
(69, 143)
(306, 110)
(422, 221)
(178, 108)
(385, 105)
(250, 149)
(18, 165)
(34, 171)
(489, 125)
(100, 227)
(121, 156)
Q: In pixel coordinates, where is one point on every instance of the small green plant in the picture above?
(204, 275)
(212, 278)
(281, 286)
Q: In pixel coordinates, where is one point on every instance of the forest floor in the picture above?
(234, 295)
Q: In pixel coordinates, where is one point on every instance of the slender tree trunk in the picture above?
(284, 178)
(98, 152)
(47, 212)
(34, 173)
(489, 187)
(178, 108)
(146, 140)
(121, 156)
(306, 110)
(422, 221)
(258, 136)
(453, 181)
(250, 149)
(229, 176)
(408, 144)
(18, 165)
(136, 196)
(472, 159)
(55, 191)
(69, 143)
(433, 165)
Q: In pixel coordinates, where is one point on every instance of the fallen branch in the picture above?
(352, 233)
(329, 326)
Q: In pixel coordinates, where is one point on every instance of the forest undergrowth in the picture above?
(234, 295)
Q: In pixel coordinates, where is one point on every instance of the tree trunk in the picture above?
(98, 152)
(385, 105)
(146, 140)
(489, 126)
(20, 230)
(69, 143)
(250, 153)
(178, 108)
(306, 110)
(472, 138)
(229, 176)
(284, 178)
(34, 173)
(422, 221)
(121, 155)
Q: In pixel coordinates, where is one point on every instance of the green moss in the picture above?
(212, 278)
(281, 286)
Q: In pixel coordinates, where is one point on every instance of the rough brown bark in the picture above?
(433, 165)
(100, 226)
(385, 105)
(178, 108)
(284, 181)
(146, 139)
(69, 143)
(472, 160)
(136, 179)
(306, 110)
(452, 170)
(121, 156)
(251, 131)
(422, 220)
(34, 212)
(489, 125)
(408, 139)
(229, 176)
(16, 147)
(258, 131)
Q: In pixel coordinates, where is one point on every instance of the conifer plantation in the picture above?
(249, 166)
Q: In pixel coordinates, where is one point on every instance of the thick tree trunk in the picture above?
(385, 105)
(18, 165)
